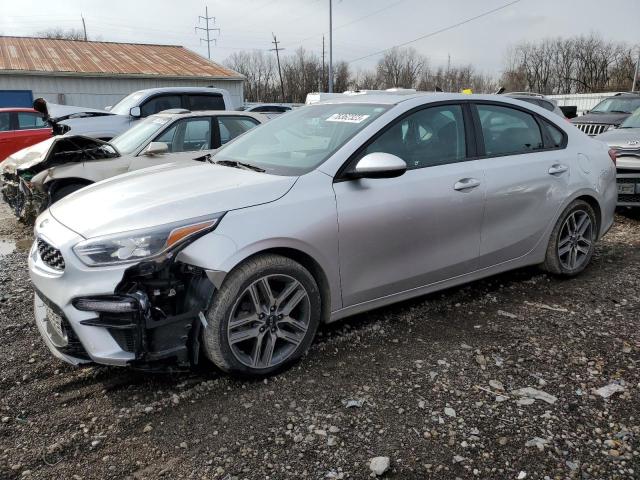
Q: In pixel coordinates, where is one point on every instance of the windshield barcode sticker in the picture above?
(347, 118)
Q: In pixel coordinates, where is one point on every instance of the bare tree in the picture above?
(259, 70)
(400, 67)
(574, 65)
(61, 34)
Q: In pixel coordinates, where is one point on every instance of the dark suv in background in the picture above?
(608, 114)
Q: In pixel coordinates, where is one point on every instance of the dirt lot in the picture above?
(439, 382)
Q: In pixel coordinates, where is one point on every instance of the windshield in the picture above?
(126, 104)
(299, 141)
(617, 105)
(633, 121)
(137, 136)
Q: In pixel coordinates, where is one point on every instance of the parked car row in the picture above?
(332, 209)
(44, 173)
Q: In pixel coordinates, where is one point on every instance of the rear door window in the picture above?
(28, 121)
(206, 102)
(159, 104)
(508, 131)
(231, 127)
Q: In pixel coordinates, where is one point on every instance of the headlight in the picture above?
(143, 244)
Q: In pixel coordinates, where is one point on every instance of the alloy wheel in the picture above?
(576, 238)
(268, 321)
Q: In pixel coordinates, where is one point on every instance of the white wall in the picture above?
(584, 101)
(98, 92)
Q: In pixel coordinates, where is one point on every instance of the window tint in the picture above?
(231, 127)
(555, 135)
(5, 121)
(158, 104)
(206, 102)
(508, 131)
(431, 136)
(188, 135)
(28, 120)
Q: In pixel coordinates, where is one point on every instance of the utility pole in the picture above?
(635, 75)
(206, 18)
(84, 27)
(330, 46)
(277, 50)
(322, 78)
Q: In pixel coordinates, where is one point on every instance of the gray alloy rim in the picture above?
(576, 238)
(268, 321)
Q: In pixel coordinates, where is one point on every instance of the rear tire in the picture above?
(263, 318)
(60, 193)
(572, 241)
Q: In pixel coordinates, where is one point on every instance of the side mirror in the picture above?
(108, 108)
(40, 105)
(156, 148)
(135, 112)
(379, 165)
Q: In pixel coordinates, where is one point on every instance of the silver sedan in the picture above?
(333, 209)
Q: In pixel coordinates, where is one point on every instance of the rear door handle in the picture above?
(466, 184)
(557, 169)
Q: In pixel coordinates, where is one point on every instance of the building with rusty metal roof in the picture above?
(98, 74)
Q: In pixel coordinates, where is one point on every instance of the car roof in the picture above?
(174, 113)
(17, 109)
(149, 91)
(395, 99)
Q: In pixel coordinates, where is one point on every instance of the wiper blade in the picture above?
(618, 111)
(237, 164)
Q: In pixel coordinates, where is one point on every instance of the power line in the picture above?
(355, 20)
(431, 34)
(206, 18)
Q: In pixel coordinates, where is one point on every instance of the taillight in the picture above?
(612, 155)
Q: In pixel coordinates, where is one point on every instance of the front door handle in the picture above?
(466, 184)
(557, 169)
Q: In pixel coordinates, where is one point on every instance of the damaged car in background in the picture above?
(42, 174)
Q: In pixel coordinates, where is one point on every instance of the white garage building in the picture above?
(97, 74)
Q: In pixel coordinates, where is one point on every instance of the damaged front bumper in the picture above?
(128, 315)
(26, 201)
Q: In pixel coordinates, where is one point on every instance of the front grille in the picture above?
(50, 255)
(622, 198)
(628, 180)
(592, 128)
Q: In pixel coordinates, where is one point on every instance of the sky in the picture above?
(361, 27)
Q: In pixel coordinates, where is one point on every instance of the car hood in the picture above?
(602, 118)
(56, 151)
(103, 126)
(621, 137)
(165, 194)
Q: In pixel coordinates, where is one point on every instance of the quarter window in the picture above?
(206, 102)
(159, 104)
(231, 127)
(555, 135)
(429, 137)
(508, 131)
(29, 121)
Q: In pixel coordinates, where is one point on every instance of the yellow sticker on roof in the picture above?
(347, 118)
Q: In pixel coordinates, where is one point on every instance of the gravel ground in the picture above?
(497, 379)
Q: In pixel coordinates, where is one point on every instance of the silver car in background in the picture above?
(330, 210)
(625, 142)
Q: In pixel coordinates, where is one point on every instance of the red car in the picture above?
(20, 128)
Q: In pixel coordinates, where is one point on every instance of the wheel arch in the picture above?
(593, 203)
(311, 264)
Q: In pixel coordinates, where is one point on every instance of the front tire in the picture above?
(263, 318)
(572, 241)
(61, 192)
